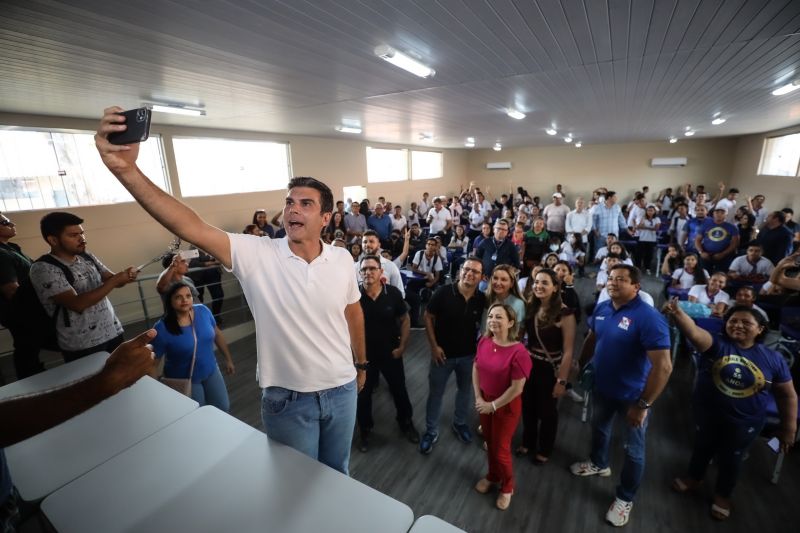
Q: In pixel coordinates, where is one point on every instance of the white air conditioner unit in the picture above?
(500, 165)
(667, 162)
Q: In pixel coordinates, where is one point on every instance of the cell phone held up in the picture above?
(138, 127)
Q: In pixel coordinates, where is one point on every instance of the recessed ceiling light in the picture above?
(469, 144)
(513, 113)
(551, 131)
(177, 109)
(497, 147)
(348, 129)
(403, 61)
(568, 139)
(689, 133)
(788, 88)
(578, 144)
(673, 140)
(719, 120)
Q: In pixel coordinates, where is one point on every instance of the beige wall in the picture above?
(780, 191)
(624, 168)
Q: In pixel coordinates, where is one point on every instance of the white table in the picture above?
(48, 461)
(431, 524)
(57, 376)
(209, 472)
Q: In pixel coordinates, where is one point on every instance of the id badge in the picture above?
(494, 257)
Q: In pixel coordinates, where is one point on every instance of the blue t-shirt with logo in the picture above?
(624, 336)
(736, 382)
(717, 237)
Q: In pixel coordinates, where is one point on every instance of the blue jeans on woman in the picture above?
(212, 391)
(319, 424)
(725, 440)
(437, 381)
(604, 411)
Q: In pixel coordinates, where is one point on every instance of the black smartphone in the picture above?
(138, 122)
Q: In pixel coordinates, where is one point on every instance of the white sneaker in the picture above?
(574, 395)
(619, 512)
(588, 468)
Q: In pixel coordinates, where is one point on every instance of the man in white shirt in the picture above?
(399, 222)
(701, 199)
(579, 220)
(729, 203)
(439, 219)
(757, 208)
(371, 245)
(423, 207)
(751, 267)
(636, 211)
(555, 216)
(483, 205)
(293, 286)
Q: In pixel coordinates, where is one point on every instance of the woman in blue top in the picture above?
(183, 325)
(737, 374)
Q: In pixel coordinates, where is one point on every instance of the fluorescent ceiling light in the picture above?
(551, 131)
(497, 147)
(786, 89)
(513, 113)
(470, 139)
(688, 133)
(673, 140)
(568, 139)
(717, 121)
(426, 137)
(177, 109)
(348, 129)
(578, 144)
(401, 60)
(469, 145)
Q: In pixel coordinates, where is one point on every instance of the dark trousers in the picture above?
(725, 440)
(217, 295)
(717, 265)
(540, 409)
(27, 344)
(394, 374)
(108, 346)
(644, 255)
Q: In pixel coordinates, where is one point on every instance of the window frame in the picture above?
(765, 152)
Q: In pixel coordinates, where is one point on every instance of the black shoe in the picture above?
(462, 432)
(410, 432)
(427, 442)
(363, 441)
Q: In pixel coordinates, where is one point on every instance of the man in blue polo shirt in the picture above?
(717, 242)
(630, 342)
(381, 223)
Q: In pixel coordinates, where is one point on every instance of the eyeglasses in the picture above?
(6, 222)
(471, 271)
(619, 279)
(364, 270)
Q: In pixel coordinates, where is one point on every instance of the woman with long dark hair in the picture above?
(336, 223)
(691, 274)
(551, 333)
(260, 220)
(186, 337)
(747, 231)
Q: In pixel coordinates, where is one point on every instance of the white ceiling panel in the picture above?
(604, 70)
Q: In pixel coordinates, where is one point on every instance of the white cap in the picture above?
(558, 195)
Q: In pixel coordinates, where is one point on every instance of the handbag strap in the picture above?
(194, 351)
(549, 357)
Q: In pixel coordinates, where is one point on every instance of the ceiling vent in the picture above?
(500, 165)
(668, 162)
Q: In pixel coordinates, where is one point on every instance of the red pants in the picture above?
(498, 430)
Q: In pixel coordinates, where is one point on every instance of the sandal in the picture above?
(720, 509)
(684, 485)
(521, 451)
(504, 500)
(483, 486)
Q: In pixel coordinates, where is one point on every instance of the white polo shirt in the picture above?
(699, 292)
(439, 220)
(302, 337)
(742, 266)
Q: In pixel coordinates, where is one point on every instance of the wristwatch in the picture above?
(361, 366)
(562, 382)
(641, 403)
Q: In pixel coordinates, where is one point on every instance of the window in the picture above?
(52, 169)
(386, 165)
(394, 164)
(208, 167)
(426, 165)
(781, 156)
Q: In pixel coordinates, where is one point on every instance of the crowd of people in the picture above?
(491, 282)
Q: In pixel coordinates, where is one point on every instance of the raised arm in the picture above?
(177, 217)
(700, 338)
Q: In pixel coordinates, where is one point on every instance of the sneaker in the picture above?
(588, 468)
(574, 395)
(410, 432)
(463, 433)
(427, 442)
(619, 512)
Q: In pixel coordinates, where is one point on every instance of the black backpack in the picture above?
(32, 314)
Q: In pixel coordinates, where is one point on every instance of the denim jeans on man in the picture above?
(437, 382)
(605, 410)
(318, 424)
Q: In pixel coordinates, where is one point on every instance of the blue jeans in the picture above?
(605, 409)
(212, 391)
(437, 381)
(318, 424)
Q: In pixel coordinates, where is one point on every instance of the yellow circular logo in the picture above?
(737, 377)
(717, 233)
